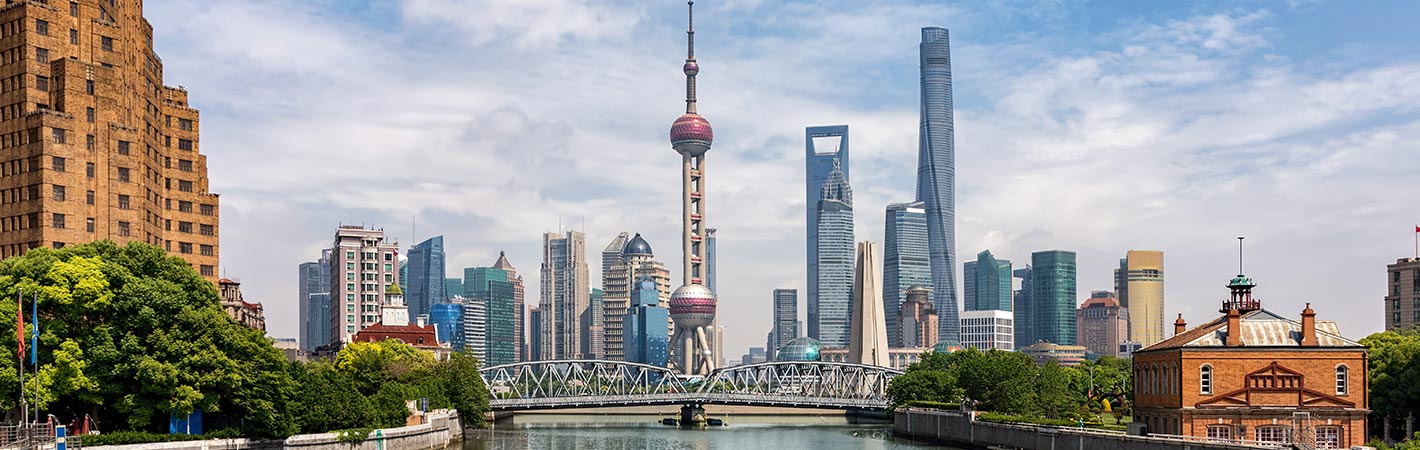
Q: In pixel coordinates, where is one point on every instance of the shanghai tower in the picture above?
(936, 177)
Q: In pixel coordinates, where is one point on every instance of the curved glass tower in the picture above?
(832, 305)
(936, 177)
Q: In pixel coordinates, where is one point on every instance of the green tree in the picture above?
(1394, 373)
(1053, 388)
(924, 385)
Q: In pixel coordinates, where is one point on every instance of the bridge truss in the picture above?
(595, 383)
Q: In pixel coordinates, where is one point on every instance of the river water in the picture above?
(599, 432)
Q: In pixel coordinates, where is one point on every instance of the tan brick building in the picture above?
(1254, 375)
(95, 146)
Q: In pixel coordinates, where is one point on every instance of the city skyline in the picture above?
(1293, 246)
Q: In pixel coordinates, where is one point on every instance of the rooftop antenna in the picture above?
(413, 227)
(1240, 255)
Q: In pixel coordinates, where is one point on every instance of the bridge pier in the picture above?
(692, 414)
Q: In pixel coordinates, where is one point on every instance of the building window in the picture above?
(1342, 376)
(209, 210)
(57, 163)
(185, 165)
(184, 144)
(58, 221)
(208, 230)
(185, 186)
(349, 255)
(73, 36)
(58, 136)
(89, 170)
(74, 9)
(1274, 434)
(1395, 318)
(208, 271)
(185, 124)
(206, 250)
(89, 114)
(185, 248)
(89, 225)
(185, 227)
(89, 87)
(1220, 432)
(42, 55)
(123, 148)
(42, 27)
(89, 198)
(1205, 380)
(107, 43)
(123, 202)
(184, 206)
(58, 193)
(123, 174)
(1328, 437)
(89, 142)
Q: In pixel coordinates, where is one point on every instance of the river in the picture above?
(599, 432)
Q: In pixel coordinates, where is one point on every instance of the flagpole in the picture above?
(34, 349)
(20, 352)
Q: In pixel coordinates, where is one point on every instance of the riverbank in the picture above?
(713, 410)
(442, 429)
(961, 429)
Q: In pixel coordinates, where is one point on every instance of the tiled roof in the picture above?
(1260, 328)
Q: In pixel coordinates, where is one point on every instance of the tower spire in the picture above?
(691, 67)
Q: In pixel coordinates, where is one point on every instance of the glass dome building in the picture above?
(945, 347)
(799, 349)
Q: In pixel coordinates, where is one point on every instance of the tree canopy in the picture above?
(1011, 383)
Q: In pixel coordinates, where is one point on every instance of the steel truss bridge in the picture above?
(563, 384)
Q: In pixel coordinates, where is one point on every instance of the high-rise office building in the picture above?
(314, 278)
(692, 305)
(1102, 324)
(515, 282)
(491, 288)
(1053, 296)
(825, 148)
(905, 262)
(425, 285)
(786, 318)
(452, 287)
(403, 268)
(535, 333)
(475, 328)
(448, 324)
(564, 295)
(917, 319)
(96, 146)
(988, 329)
(936, 175)
(594, 331)
(1024, 322)
(362, 268)
(868, 344)
(631, 262)
(832, 300)
(1402, 300)
(317, 320)
(987, 289)
(647, 340)
(1140, 283)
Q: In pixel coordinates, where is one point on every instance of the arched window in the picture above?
(1205, 380)
(1342, 376)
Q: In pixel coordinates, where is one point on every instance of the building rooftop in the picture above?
(1259, 328)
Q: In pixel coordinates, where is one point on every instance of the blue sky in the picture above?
(1089, 126)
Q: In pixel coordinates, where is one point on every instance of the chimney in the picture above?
(1309, 327)
(422, 320)
(1234, 329)
(1179, 325)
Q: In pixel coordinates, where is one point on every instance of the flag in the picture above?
(34, 337)
(1417, 228)
(20, 326)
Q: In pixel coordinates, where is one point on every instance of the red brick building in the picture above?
(1254, 375)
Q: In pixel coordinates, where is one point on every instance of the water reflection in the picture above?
(570, 432)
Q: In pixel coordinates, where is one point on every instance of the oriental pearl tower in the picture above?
(692, 304)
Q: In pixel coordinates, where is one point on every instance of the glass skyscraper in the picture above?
(905, 262)
(832, 305)
(786, 318)
(985, 290)
(314, 278)
(317, 307)
(425, 285)
(1024, 320)
(647, 340)
(448, 323)
(936, 177)
(819, 162)
(1053, 296)
(491, 288)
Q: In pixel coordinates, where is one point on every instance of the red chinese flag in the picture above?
(1417, 228)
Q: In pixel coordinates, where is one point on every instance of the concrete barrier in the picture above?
(960, 429)
(443, 428)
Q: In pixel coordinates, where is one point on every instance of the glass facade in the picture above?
(985, 290)
(448, 323)
(830, 309)
(647, 339)
(786, 317)
(425, 274)
(491, 288)
(819, 161)
(317, 306)
(905, 261)
(1025, 325)
(936, 176)
(1053, 296)
(314, 278)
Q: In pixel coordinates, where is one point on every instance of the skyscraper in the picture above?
(692, 305)
(1402, 300)
(936, 175)
(565, 293)
(515, 282)
(594, 326)
(1024, 308)
(448, 324)
(314, 278)
(646, 338)
(819, 162)
(869, 338)
(631, 262)
(362, 268)
(987, 289)
(317, 320)
(535, 333)
(491, 288)
(905, 262)
(832, 304)
(452, 287)
(1053, 296)
(1102, 324)
(916, 319)
(426, 275)
(1140, 283)
(96, 145)
(786, 318)
(475, 328)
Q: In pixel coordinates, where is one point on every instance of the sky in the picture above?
(1095, 127)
